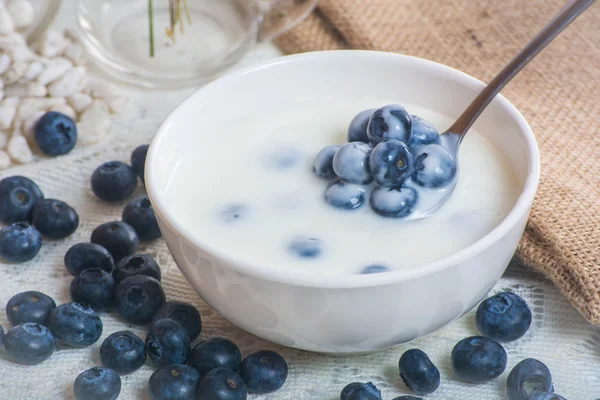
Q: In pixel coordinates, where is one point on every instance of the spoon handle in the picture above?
(567, 15)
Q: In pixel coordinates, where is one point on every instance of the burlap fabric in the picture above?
(559, 94)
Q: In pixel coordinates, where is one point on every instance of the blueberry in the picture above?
(357, 131)
(138, 160)
(394, 202)
(124, 352)
(434, 166)
(346, 196)
(19, 242)
(234, 212)
(423, 133)
(305, 247)
(119, 238)
(222, 384)
(29, 307)
(282, 157)
(174, 382)
(547, 396)
(97, 383)
(390, 122)
(54, 219)
(391, 163)
(18, 195)
(93, 287)
(408, 398)
(351, 163)
(264, 371)
(504, 317)
(82, 256)
(75, 325)
(215, 353)
(137, 264)
(323, 164)
(167, 343)
(478, 359)
(184, 314)
(140, 215)
(360, 391)
(528, 378)
(418, 372)
(29, 343)
(138, 298)
(374, 269)
(1, 336)
(55, 134)
(114, 181)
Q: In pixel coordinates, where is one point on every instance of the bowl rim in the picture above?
(305, 279)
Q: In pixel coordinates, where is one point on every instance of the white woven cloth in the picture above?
(559, 335)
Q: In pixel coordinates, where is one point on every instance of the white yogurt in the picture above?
(264, 163)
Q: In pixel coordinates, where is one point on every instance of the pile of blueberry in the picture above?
(109, 274)
(504, 317)
(401, 153)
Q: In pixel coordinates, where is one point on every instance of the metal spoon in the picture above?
(456, 133)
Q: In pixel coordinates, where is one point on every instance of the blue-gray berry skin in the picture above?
(418, 372)
(547, 396)
(19, 242)
(29, 343)
(184, 314)
(360, 391)
(357, 131)
(351, 163)
(97, 383)
(390, 122)
(504, 317)
(137, 264)
(435, 167)
(215, 353)
(123, 351)
(374, 269)
(345, 196)
(167, 343)
(138, 160)
(323, 163)
(119, 238)
(174, 382)
(478, 359)
(114, 181)
(1, 336)
(82, 256)
(423, 133)
(140, 215)
(18, 195)
(29, 306)
(235, 212)
(263, 372)
(138, 298)
(93, 287)
(391, 163)
(527, 378)
(408, 398)
(305, 247)
(75, 325)
(394, 202)
(222, 384)
(55, 134)
(54, 219)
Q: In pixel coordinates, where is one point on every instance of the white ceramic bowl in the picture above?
(346, 314)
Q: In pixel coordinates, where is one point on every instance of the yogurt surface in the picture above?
(247, 189)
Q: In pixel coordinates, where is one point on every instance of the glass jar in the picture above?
(45, 11)
(117, 35)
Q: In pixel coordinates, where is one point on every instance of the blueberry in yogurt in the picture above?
(391, 163)
(528, 378)
(323, 164)
(351, 163)
(394, 202)
(435, 167)
(390, 122)
(346, 196)
(504, 317)
(305, 247)
(478, 359)
(234, 212)
(282, 157)
(423, 133)
(357, 131)
(374, 269)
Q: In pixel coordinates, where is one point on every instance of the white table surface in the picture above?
(559, 335)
